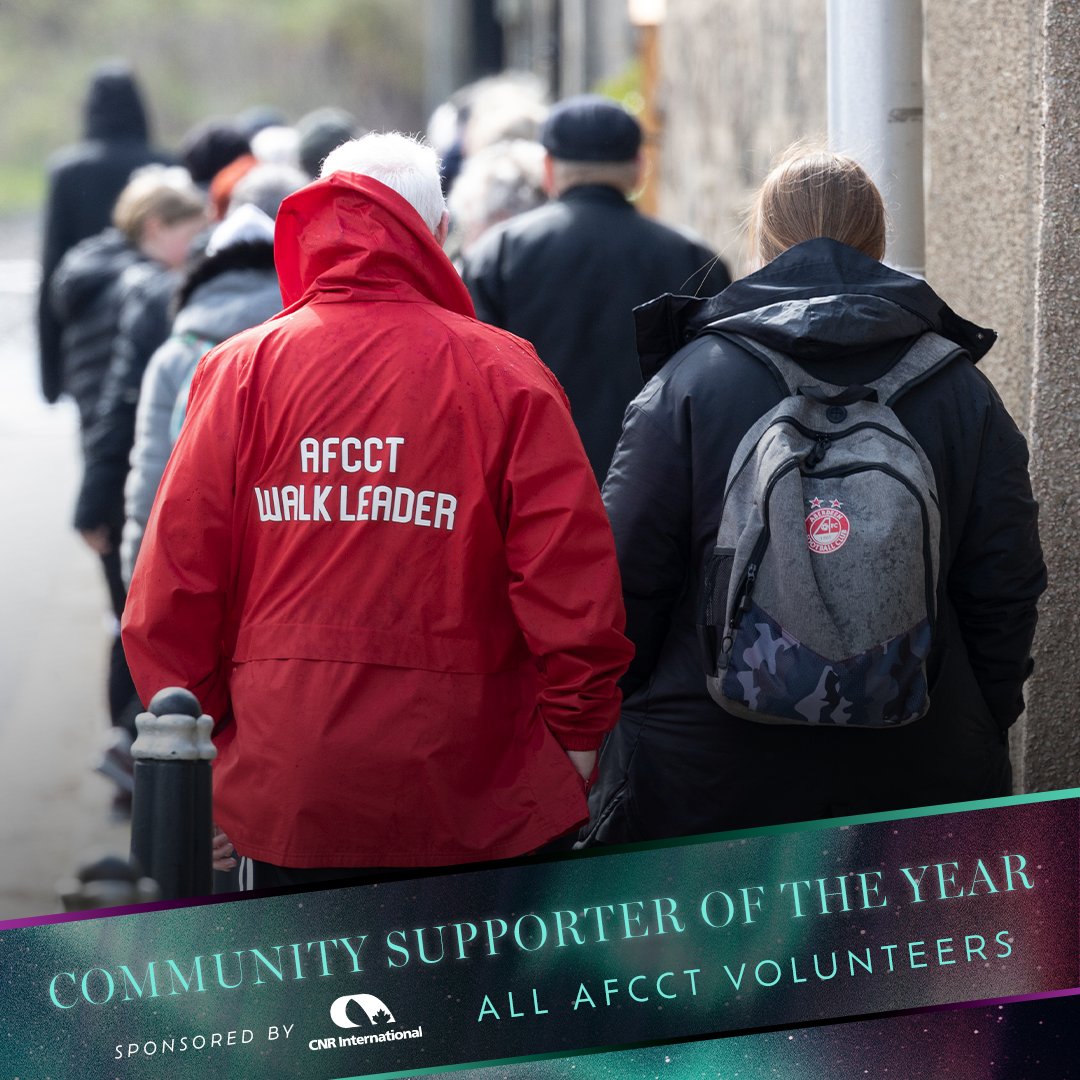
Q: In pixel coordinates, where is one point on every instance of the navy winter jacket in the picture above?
(567, 276)
(677, 764)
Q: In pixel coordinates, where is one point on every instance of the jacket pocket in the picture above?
(614, 822)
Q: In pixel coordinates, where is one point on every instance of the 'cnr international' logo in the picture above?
(360, 1010)
(368, 1013)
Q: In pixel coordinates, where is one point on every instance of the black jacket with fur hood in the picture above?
(677, 764)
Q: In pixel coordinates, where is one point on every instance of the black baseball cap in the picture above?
(590, 128)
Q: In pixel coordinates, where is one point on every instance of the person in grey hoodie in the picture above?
(232, 287)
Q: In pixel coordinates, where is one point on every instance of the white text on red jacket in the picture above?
(355, 502)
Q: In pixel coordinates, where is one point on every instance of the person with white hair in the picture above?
(498, 183)
(379, 557)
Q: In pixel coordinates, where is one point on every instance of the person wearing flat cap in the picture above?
(567, 275)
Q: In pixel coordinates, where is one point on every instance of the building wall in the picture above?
(596, 43)
(1051, 757)
(1002, 159)
(739, 82)
(983, 95)
(570, 44)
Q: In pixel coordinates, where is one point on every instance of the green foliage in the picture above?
(201, 58)
(21, 188)
(625, 88)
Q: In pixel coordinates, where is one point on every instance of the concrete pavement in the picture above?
(54, 811)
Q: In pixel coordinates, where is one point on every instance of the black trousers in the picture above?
(254, 874)
(123, 701)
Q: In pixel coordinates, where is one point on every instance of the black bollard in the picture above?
(171, 811)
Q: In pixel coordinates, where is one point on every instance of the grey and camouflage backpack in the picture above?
(819, 599)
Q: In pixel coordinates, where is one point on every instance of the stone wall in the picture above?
(983, 93)
(739, 83)
(1051, 757)
(1002, 159)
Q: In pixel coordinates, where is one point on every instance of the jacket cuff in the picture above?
(100, 500)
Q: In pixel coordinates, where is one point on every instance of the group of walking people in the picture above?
(380, 557)
(149, 259)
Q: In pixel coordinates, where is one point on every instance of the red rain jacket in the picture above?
(379, 558)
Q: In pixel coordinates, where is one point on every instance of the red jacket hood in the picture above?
(353, 236)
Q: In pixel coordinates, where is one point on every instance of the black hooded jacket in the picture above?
(677, 764)
(84, 181)
(151, 300)
(86, 295)
(143, 318)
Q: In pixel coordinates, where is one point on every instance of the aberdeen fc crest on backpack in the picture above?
(819, 598)
(826, 527)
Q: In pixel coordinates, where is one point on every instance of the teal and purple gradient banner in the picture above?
(679, 941)
(1016, 1041)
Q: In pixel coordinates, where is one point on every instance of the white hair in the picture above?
(407, 165)
(277, 145)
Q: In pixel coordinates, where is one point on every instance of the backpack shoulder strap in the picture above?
(930, 353)
(787, 372)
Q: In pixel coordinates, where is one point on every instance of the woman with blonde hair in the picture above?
(679, 763)
(157, 216)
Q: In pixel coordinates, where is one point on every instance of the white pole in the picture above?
(876, 109)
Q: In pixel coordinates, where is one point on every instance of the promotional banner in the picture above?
(674, 941)
(1029, 1040)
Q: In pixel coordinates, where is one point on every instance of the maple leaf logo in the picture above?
(361, 1010)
